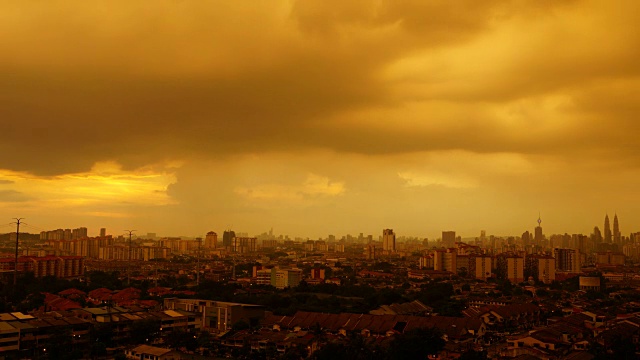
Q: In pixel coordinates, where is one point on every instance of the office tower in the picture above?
(103, 232)
(597, 235)
(617, 237)
(526, 238)
(607, 229)
(388, 241)
(227, 238)
(211, 240)
(538, 234)
(448, 238)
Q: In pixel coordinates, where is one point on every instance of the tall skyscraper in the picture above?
(448, 238)
(211, 240)
(607, 229)
(103, 232)
(617, 237)
(388, 241)
(597, 235)
(227, 238)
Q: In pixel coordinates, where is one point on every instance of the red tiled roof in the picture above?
(101, 294)
(71, 292)
(454, 327)
(57, 303)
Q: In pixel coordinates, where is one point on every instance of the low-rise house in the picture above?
(146, 352)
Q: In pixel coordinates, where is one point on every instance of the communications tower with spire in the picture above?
(538, 233)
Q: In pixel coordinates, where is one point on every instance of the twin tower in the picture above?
(616, 236)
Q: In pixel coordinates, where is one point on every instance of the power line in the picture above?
(33, 227)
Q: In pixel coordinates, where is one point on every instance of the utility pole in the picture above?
(15, 267)
(129, 259)
(198, 262)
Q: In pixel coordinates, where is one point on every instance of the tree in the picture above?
(473, 355)
(416, 344)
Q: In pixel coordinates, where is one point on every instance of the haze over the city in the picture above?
(316, 117)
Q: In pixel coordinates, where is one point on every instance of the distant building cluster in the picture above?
(59, 266)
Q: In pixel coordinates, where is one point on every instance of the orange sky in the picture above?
(320, 117)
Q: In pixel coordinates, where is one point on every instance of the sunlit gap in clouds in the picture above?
(96, 190)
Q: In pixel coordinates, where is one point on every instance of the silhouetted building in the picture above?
(371, 252)
(243, 245)
(211, 240)
(511, 266)
(526, 238)
(539, 237)
(227, 238)
(597, 236)
(446, 260)
(541, 268)
(607, 229)
(617, 236)
(388, 241)
(567, 260)
(448, 238)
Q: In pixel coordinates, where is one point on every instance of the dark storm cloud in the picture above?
(140, 84)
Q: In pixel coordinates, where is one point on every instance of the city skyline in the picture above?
(436, 235)
(319, 117)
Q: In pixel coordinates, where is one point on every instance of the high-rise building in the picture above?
(526, 238)
(541, 268)
(607, 229)
(539, 237)
(103, 232)
(568, 260)
(388, 241)
(371, 252)
(79, 233)
(446, 260)
(211, 240)
(448, 238)
(426, 262)
(243, 245)
(227, 238)
(597, 235)
(480, 267)
(617, 236)
(512, 266)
